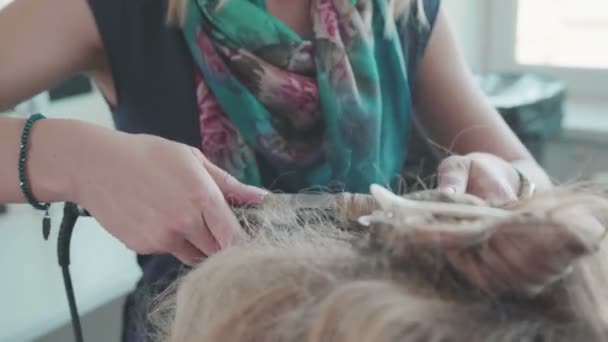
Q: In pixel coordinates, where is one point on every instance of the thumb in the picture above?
(234, 191)
(453, 174)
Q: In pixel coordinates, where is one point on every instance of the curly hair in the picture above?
(422, 267)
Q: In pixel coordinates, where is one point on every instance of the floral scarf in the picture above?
(312, 106)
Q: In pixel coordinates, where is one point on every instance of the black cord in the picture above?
(67, 280)
(68, 222)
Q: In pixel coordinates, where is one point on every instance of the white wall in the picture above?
(580, 152)
(468, 19)
(4, 3)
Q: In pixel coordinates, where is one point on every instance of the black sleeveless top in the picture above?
(151, 69)
(152, 72)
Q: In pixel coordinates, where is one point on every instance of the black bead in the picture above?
(46, 226)
(21, 165)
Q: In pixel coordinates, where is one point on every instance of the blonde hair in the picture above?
(176, 11)
(421, 271)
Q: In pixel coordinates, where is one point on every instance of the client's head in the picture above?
(426, 267)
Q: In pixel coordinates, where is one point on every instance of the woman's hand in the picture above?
(158, 196)
(481, 174)
(463, 120)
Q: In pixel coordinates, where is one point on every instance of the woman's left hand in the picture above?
(481, 174)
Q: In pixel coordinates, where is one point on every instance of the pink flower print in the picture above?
(220, 140)
(229, 53)
(288, 153)
(351, 31)
(340, 74)
(327, 13)
(300, 93)
(210, 55)
(277, 147)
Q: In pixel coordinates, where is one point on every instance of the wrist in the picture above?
(47, 165)
(24, 183)
(55, 158)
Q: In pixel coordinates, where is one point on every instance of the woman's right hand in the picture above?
(159, 196)
(155, 195)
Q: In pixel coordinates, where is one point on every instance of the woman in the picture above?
(223, 102)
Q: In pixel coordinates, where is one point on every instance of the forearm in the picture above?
(33, 57)
(462, 119)
(55, 148)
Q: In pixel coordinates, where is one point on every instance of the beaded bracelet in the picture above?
(25, 187)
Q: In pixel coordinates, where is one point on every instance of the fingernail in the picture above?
(365, 221)
(263, 193)
(259, 193)
(231, 198)
(262, 197)
(450, 190)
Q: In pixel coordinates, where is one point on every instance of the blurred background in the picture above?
(544, 64)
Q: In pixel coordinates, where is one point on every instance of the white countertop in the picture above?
(32, 290)
(587, 120)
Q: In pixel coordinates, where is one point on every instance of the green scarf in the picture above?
(315, 108)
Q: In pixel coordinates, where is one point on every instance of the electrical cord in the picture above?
(71, 212)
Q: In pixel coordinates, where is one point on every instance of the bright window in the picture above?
(3, 3)
(566, 39)
(562, 33)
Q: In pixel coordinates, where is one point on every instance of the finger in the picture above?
(453, 174)
(199, 235)
(233, 190)
(485, 183)
(500, 193)
(187, 253)
(218, 215)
